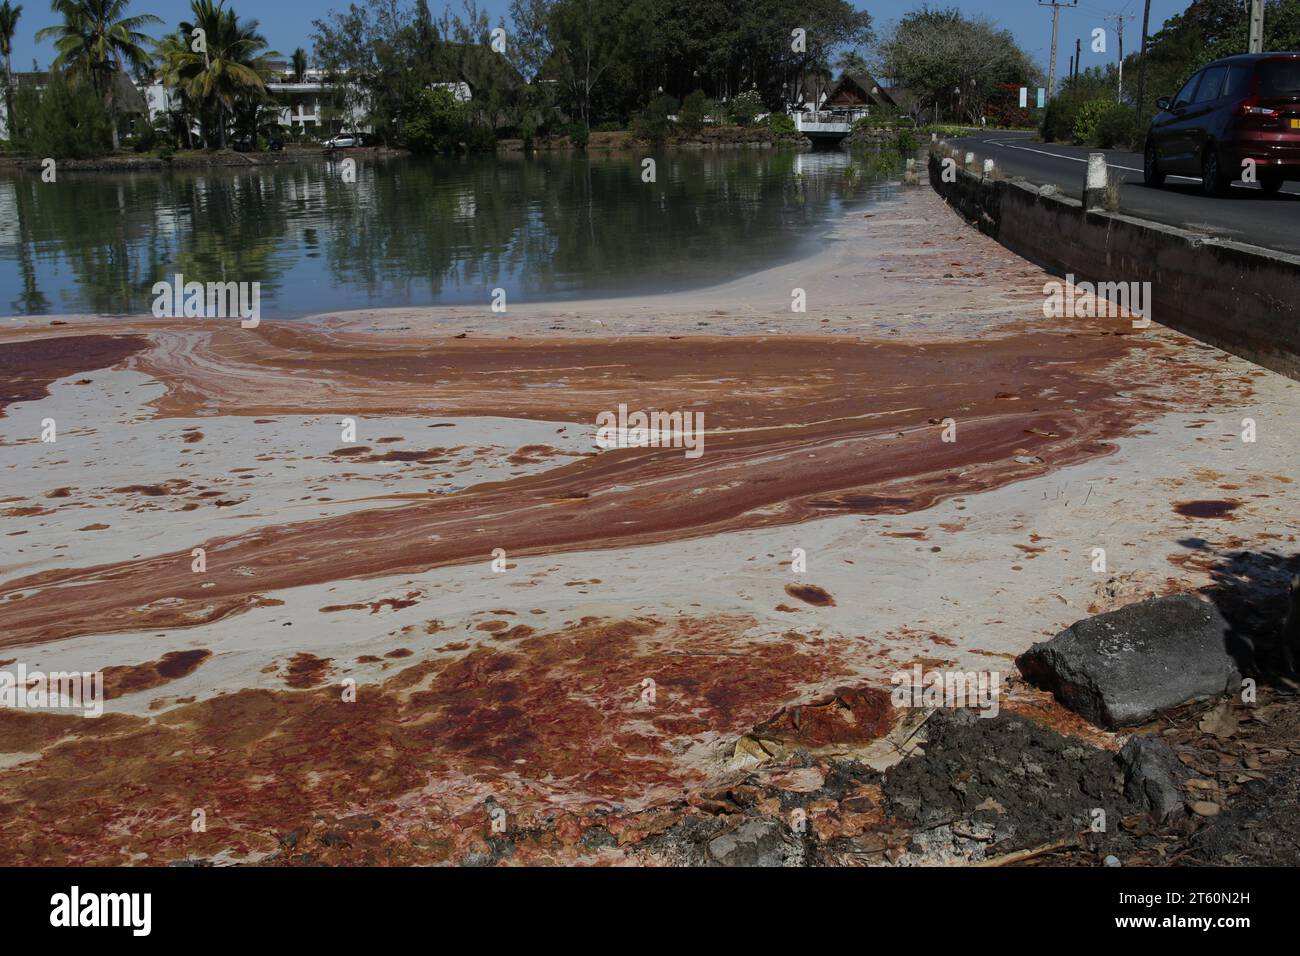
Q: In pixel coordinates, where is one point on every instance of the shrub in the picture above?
(744, 107)
(1010, 116)
(609, 126)
(578, 135)
(67, 120)
(944, 131)
(652, 129)
(1117, 127)
(691, 115)
(780, 124)
(1059, 117)
(904, 142)
(653, 123)
(1086, 120)
(151, 136)
(436, 122)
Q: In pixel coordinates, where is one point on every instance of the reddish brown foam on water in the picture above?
(28, 366)
(795, 428)
(133, 678)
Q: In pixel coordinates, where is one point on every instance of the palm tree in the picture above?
(8, 25)
(97, 41)
(232, 66)
(299, 62)
(169, 52)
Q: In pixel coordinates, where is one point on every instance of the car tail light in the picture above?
(1250, 107)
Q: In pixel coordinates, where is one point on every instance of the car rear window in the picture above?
(1211, 84)
(1279, 78)
(1239, 78)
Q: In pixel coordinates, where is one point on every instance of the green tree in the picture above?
(299, 65)
(380, 57)
(220, 62)
(8, 25)
(62, 121)
(97, 41)
(851, 62)
(953, 62)
(580, 45)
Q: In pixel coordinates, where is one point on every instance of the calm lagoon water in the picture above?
(417, 231)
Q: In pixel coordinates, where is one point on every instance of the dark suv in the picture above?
(1236, 109)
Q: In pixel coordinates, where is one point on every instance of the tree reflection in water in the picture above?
(416, 231)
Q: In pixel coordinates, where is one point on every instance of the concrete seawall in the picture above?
(1241, 298)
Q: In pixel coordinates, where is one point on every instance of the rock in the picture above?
(1121, 669)
(756, 843)
(1111, 860)
(1204, 808)
(1152, 775)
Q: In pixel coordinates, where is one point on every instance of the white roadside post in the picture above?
(1094, 186)
(988, 169)
(970, 160)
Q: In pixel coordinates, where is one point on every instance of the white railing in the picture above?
(827, 121)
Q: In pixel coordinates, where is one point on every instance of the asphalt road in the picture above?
(1246, 214)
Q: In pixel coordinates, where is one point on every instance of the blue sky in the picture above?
(287, 23)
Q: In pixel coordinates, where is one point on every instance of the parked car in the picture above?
(1239, 108)
(343, 141)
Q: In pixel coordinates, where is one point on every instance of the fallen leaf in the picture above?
(1221, 722)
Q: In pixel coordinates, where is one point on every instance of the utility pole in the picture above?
(1119, 19)
(1142, 64)
(1078, 56)
(1256, 26)
(1056, 23)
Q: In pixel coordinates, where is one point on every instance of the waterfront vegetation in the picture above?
(661, 71)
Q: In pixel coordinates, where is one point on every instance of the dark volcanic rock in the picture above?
(1121, 669)
(1152, 776)
(1026, 781)
(756, 843)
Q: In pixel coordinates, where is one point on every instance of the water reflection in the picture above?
(415, 231)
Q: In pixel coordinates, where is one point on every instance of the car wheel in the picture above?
(1270, 182)
(1213, 181)
(1151, 174)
